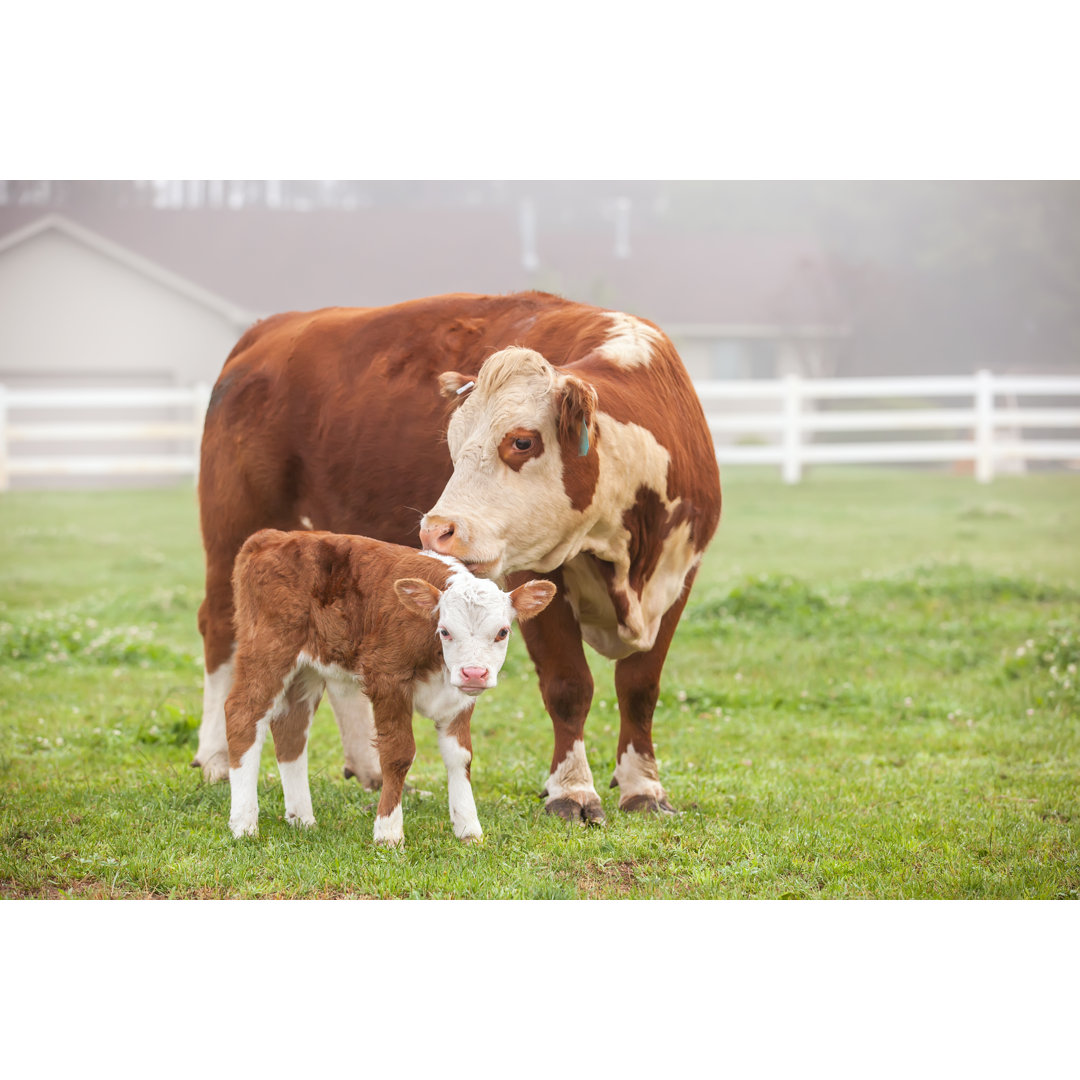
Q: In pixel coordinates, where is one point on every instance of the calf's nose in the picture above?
(437, 534)
(475, 674)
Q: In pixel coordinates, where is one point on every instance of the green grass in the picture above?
(873, 694)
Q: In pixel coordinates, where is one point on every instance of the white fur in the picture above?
(294, 785)
(244, 783)
(352, 710)
(630, 341)
(389, 830)
(637, 775)
(458, 789)
(213, 752)
(572, 775)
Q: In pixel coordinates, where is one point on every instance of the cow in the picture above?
(406, 629)
(521, 433)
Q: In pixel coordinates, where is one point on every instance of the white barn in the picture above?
(79, 312)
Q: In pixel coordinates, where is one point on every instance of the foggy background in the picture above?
(909, 277)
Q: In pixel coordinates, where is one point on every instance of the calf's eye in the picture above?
(523, 444)
(443, 632)
(501, 635)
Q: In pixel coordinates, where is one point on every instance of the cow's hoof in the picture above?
(215, 768)
(647, 804)
(300, 822)
(580, 806)
(369, 781)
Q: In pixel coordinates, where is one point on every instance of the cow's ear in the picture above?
(531, 598)
(577, 412)
(418, 596)
(453, 385)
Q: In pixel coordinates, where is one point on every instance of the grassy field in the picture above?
(873, 694)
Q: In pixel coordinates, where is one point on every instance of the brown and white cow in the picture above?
(576, 448)
(406, 629)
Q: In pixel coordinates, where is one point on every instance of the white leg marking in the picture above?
(637, 775)
(213, 752)
(294, 786)
(572, 774)
(244, 785)
(389, 830)
(458, 789)
(352, 710)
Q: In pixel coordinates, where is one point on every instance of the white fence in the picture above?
(779, 417)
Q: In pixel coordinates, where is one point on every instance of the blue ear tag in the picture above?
(583, 448)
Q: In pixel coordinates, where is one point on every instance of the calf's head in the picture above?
(523, 443)
(472, 618)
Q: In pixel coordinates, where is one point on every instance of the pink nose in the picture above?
(476, 675)
(438, 536)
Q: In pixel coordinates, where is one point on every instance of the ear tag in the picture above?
(583, 448)
(461, 389)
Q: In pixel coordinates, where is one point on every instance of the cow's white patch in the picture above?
(630, 342)
(458, 789)
(389, 830)
(306, 522)
(294, 785)
(213, 752)
(637, 775)
(352, 710)
(572, 774)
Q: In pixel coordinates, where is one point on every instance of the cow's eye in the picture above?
(444, 633)
(501, 635)
(523, 444)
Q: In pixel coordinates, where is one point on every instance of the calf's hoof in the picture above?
(579, 806)
(244, 826)
(647, 804)
(299, 822)
(214, 768)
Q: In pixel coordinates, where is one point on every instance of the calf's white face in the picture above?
(472, 618)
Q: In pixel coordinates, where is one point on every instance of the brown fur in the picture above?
(339, 416)
(331, 597)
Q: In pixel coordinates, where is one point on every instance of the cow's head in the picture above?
(523, 443)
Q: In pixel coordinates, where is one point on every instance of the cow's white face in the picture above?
(472, 620)
(509, 504)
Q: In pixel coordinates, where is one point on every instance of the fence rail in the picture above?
(761, 421)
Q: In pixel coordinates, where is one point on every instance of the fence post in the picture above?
(984, 426)
(199, 404)
(5, 481)
(792, 465)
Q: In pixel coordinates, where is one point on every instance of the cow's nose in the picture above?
(438, 535)
(475, 674)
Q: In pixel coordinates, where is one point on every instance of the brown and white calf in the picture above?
(408, 630)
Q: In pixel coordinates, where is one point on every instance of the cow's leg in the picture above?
(455, 744)
(397, 748)
(216, 627)
(637, 684)
(290, 727)
(251, 706)
(352, 710)
(553, 639)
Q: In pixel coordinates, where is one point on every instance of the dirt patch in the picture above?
(596, 880)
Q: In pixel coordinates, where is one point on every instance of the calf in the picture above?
(407, 629)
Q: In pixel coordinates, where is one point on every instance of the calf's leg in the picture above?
(397, 748)
(455, 745)
(290, 726)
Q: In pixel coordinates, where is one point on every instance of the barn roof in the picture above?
(241, 317)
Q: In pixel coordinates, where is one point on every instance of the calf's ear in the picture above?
(453, 385)
(417, 595)
(531, 598)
